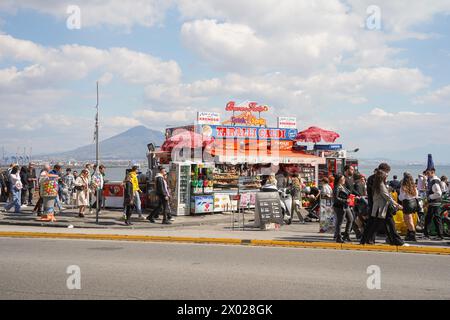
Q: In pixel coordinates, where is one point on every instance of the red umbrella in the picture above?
(187, 139)
(315, 134)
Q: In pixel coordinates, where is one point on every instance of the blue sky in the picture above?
(159, 62)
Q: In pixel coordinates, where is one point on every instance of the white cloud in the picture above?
(33, 97)
(439, 96)
(74, 62)
(383, 133)
(115, 13)
(301, 36)
(160, 117)
(122, 122)
(288, 93)
(106, 78)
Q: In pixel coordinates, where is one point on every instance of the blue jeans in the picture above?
(58, 203)
(137, 202)
(16, 200)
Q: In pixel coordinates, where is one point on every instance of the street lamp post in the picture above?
(97, 156)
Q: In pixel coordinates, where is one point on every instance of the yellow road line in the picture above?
(228, 241)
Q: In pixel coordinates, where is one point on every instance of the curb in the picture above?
(101, 227)
(229, 241)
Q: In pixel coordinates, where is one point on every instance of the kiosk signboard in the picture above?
(268, 209)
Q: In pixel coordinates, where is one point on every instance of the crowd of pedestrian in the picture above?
(369, 206)
(19, 186)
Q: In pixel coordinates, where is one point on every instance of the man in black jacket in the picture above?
(162, 191)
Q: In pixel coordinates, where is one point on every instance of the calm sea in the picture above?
(113, 173)
(398, 170)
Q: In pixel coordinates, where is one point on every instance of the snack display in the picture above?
(49, 188)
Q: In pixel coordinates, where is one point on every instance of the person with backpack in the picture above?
(434, 196)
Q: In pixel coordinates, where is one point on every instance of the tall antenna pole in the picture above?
(97, 207)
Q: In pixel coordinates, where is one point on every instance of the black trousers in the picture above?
(370, 231)
(23, 196)
(38, 206)
(128, 211)
(391, 232)
(375, 224)
(163, 206)
(30, 195)
(433, 216)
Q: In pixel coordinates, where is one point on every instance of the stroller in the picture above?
(313, 210)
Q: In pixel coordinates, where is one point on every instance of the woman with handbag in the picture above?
(128, 201)
(82, 188)
(409, 195)
(341, 208)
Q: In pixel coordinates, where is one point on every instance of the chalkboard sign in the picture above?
(268, 209)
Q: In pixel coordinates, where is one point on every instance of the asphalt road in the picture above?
(37, 269)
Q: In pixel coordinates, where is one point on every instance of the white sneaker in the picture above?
(24, 206)
(406, 245)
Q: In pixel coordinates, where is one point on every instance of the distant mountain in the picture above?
(129, 145)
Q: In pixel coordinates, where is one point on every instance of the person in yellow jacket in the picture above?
(136, 191)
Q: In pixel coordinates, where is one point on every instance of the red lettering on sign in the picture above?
(252, 107)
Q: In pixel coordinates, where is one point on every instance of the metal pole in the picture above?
(97, 207)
